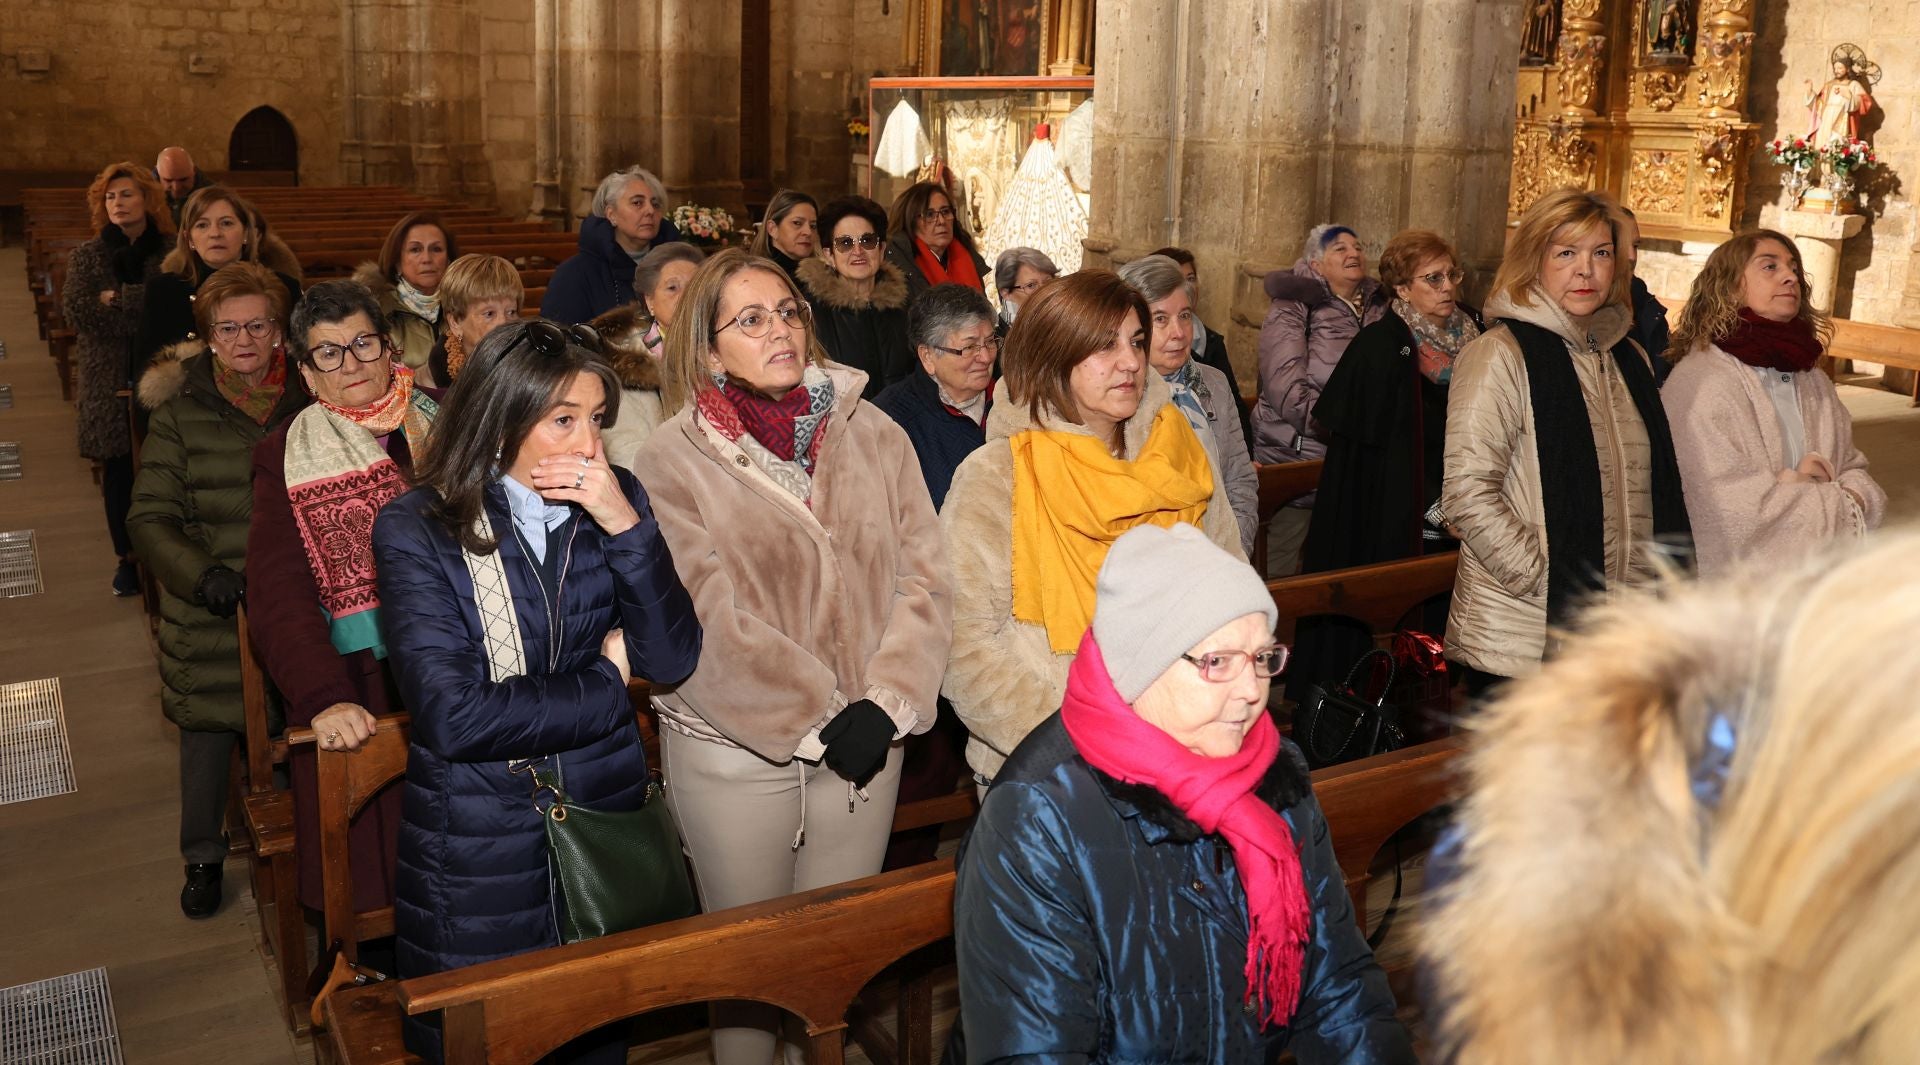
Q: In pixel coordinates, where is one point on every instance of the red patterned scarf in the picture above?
(958, 268)
(338, 478)
(793, 425)
(1789, 346)
(1217, 794)
(254, 401)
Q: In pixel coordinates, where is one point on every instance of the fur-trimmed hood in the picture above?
(276, 256)
(624, 329)
(825, 285)
(166, 375)
(368, 274)
(1302, 285)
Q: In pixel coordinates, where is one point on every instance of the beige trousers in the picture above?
(1286, 535)
(738, 815)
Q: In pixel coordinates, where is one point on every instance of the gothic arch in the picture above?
(263, 139)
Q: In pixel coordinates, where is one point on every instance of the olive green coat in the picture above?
(191, 503)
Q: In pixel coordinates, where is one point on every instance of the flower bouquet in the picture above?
(1798, 157)
(1844, 157)
(706, 226)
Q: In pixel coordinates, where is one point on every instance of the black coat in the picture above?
(941, 438)
(900, 253)
(1215, 355)
(868, 333)
(1649, 328)
(599, 277)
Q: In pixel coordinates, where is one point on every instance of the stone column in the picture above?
(700, 101)
(1070, 37)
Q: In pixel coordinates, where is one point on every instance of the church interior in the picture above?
(1079, 134)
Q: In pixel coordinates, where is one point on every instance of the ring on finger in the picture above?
(579, 479)
(585, 462)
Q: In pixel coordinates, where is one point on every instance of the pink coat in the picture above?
(1728, 441)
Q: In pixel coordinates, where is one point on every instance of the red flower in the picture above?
(1799, 142)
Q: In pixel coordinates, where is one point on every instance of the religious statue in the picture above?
(1543, 29)
(1835, 108)
(1668, 32)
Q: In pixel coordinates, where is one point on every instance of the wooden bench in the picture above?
(1367, 801)
(268, 814)
(1280, 484)
(1379, 596)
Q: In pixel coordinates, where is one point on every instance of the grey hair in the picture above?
(1322, 235)
(325, 304)
(613, 184)
(942, 310)
(646, 273)
(1155, 277)
(1007, 266)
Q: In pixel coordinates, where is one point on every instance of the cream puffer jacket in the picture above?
(1003, 678)
(1491, 492)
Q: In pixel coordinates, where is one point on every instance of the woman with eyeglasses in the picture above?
(1383, 416)
(516, 494)
(930, 242)
(1150, 877)
(318, 481)
(210, 402)
(1020, 272)
(859, 299)
(801, 526)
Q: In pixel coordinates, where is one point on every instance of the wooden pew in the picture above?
(348, 780)
(1280, 484)
(1368, 801)
(1379, 596)
(268, 813)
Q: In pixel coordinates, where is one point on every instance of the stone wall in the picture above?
(119, 87)
(1232, 127)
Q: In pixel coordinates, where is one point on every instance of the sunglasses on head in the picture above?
(550, 340)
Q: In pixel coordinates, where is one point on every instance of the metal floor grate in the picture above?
(67, 1020)
(36, 760)
(19, 565)
(9, 460)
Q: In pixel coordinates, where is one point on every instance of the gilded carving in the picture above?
(1657, 182)
(1721, 70)
(1580, 69)
(1661, 89)
(1717, 148)
(1582, 9)
(1529, 168)
(1570, 157)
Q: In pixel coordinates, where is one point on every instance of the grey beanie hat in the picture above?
(1160, 592)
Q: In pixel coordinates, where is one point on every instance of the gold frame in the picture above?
(933, 28)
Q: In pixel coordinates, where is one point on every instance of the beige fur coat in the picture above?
(624, 329)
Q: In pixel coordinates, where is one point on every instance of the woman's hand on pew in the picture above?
(614, 646)
(343, 727)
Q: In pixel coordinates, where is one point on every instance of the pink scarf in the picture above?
(1217, 794)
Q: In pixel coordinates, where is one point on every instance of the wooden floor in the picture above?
(92, 878)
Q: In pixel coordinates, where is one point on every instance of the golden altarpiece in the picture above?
(1646, 99)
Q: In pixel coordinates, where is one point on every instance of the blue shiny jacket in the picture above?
(472, 881)
(1093, 922)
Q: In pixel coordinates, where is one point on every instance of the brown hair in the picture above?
(911, 204)
(1063, 324)
(684, 372)
(234, 280)
(1713, 305)
(1406, 251)
(778, 209)
(150, 190)
(396, 244)
(183, 261)
(1574, 210)
(1178, 255)
(472, 279)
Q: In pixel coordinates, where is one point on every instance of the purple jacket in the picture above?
(1306, 332)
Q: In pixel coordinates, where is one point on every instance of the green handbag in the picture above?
(613, 871)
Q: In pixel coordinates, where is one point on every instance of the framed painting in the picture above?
(982, 38)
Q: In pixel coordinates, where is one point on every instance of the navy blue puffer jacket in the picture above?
(473, 881)
(1093, 922)
(599, 277)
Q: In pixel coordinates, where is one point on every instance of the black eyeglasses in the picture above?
(867, 241)
(1222, 667)
(367, 347)
(989, 346)
(936, 214)
(550, 340)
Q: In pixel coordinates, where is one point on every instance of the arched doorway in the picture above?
(263, 139)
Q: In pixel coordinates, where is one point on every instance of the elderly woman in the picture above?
(517, 485)
(1748, 746)
(1150, 877)
(799, 523)
(211, 402)
(1764, 444)
(406, 282)
(217, 227)
(102, 300)
(790, 233)
(943, 407)
(634, 338)
(627, 217)
(1021, 272)
(1315, 310)
(859, 299)
(1083, 444)
(1559, 468)
(318, 481)
(480, 293)
(1201, 392)
(930, 243)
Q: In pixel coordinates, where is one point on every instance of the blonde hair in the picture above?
(477, 278)
(1713, 305)
(157, 216)
(1694, 836)
(183, 261)
(684, 373)
(1574, 212)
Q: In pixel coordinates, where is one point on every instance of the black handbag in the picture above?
(613, 871)
(1338, 724)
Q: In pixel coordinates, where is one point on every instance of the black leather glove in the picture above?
(129, 266)
(220, 590)
(857, 740)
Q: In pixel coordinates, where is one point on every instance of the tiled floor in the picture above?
(92, 878)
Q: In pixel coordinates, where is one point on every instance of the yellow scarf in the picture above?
(1072, 499)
